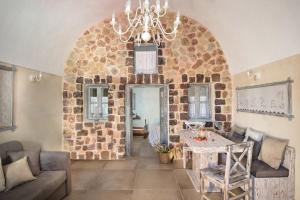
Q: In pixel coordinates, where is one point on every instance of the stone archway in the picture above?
(194, 56)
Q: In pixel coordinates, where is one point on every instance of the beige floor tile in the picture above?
(84, 179)
(152, 163)
(139, 177)
(86, 164)
(142, 194)
(115, 180)
(155, 179)
(109, 195)
(121, 165)
(190, 194)
(182, 179)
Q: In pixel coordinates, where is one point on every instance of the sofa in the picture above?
(53, 181)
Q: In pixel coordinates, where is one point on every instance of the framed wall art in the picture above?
(6, 97)
(269, 99)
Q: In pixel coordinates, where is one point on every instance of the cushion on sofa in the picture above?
(9, 146)
(259, 169)
(238, 134)
(17, 173)
(239, 130)
(256, 148)
(272, 151)
(40, 189)
(254, 134)
(2, 178)
(33, 159)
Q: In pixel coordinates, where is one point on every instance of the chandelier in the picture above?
(144, 23)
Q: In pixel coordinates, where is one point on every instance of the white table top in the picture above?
(214, 143)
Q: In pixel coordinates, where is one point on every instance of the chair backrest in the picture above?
(238, 162)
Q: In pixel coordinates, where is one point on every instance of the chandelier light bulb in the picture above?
(166, 4)
(146, 36)
(128, 7)
(113, 18)
(145, 21)
(157, 6)
(146, 4)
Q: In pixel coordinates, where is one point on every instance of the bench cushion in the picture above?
(41, 188)
(259, 169)
(256, 148)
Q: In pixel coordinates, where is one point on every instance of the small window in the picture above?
(199, 102)
(96, 106)
(145, 59)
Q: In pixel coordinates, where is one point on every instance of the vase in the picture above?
(164, 158)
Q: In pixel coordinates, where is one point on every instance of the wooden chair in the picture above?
(234, 178)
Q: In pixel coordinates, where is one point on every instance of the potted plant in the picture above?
(164, 152)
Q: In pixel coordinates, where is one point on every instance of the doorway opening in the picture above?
(147, 114)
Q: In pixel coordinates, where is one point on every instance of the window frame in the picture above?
(87, 103)
(209, 104)
(145, 47)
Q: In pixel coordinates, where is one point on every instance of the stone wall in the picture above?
(99, 57)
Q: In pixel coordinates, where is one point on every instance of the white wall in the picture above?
(38, 108)
(40, 33)
(276, 126)
(147, 106)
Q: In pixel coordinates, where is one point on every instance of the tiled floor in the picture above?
(140, 177)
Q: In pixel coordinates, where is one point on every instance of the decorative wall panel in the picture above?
(270, 99)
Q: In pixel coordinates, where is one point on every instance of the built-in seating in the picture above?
(268, 182)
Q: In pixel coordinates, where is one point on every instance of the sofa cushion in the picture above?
(33, 159)
(17, 173)
(254, 134)
(272, 151)
(9, 146)
(2, 178)
(239, 130)
(40, 189)
(256, 148)
(259, 169)
(236, 138)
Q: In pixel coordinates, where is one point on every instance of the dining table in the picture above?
(204, 153)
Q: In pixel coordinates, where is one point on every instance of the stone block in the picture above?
(79, 80)
(220, 117)
(219, 102)
(216, 77)
(199, 78)
(174, 138)
(220, 86)
(82, 133)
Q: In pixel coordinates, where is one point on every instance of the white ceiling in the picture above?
(39, 34)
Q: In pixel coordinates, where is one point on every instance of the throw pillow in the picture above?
(238, 134)
(254, 134)
(256, 148)
(33, 159)
(239, 130)
(236, 137)
(272, 151)
(17, 173)
(2, 178)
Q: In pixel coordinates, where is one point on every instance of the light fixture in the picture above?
(253, 75)
(144, 23)
(36, 77)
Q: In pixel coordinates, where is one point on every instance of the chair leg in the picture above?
(225, 194)
(202, 186)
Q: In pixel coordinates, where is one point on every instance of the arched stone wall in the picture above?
(194, 56)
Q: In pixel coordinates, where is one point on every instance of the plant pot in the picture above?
(164, 158)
